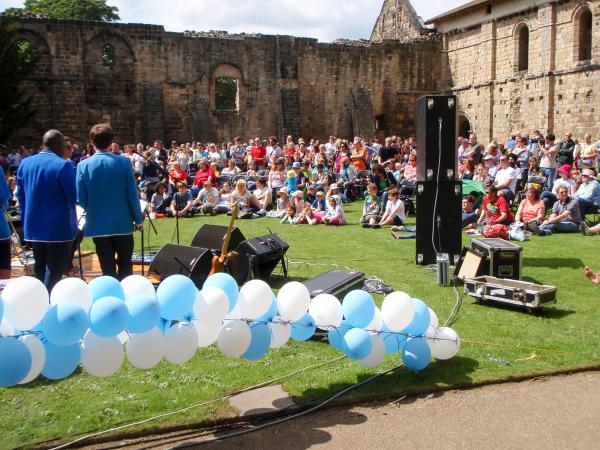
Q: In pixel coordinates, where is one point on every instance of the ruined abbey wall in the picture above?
(162, 85)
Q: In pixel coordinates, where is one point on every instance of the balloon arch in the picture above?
(98, 324)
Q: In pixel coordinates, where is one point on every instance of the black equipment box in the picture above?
(335, 282)
(504, 259)
(263, 254)
(513, 292)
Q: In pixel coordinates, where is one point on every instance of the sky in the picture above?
(325, 20)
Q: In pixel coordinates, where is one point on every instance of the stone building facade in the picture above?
(524, 65)
(152, 84)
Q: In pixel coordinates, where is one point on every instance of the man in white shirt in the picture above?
(207, 199)
(506, 179)
(274, 151)
(330, 148)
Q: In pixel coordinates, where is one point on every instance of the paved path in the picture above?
(560, 412)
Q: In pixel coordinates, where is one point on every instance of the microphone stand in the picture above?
(155, 232)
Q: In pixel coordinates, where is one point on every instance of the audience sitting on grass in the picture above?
(371, 212)
(532, 211)
(588, 192)
(495, 209)
(470, 214)
(335, 212)
(281, 204)
(182, 202)
(565, 217)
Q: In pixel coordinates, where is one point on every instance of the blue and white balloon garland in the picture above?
(98, 324)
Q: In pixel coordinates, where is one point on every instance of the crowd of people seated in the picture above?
(543, 183)
(540, 183)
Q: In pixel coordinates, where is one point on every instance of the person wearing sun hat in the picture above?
(588, 193)
(565, 178)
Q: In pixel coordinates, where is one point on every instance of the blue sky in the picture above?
(325, 20)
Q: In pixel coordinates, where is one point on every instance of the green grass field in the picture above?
(498, 343)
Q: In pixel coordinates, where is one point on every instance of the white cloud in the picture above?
(325, 20)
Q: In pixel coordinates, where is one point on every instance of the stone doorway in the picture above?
(464, 126)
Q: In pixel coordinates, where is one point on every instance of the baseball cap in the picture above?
(312, 186)
(296, 165)
(488, 157)
(334, 186)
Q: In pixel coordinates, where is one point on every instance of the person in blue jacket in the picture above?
(107, 191)
(46, 193)
(5, 195)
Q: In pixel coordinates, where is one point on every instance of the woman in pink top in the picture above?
(531, 211)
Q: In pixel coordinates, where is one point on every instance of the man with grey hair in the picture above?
(47, 194)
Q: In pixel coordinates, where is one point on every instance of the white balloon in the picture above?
(280, 333)
(25, 302)
(137, 285)
(293, 300)
(377, 322)
(398, 311)
(145, 350)
(6, 329)
(181, 343)
(326, 310)
(255, 299)
(447, 344)
(234, 338)
(38, 356)
(72, 290)
(433, 319)
(208, 332)
(377, 352)
(211, 305)
(101, 357)
(431, 337)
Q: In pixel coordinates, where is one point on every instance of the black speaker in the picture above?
(263, 253)
(212, 237)
(192, 262)
(436, 138)
(439, 220)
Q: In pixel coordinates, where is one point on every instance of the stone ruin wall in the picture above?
(162, 83)
(557, 93)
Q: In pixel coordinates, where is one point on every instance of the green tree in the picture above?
(17, 61)
(96, 10)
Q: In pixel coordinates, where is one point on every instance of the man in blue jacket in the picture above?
(46, 193)
(107, 191)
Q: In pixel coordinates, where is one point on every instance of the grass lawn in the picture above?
(498, 343)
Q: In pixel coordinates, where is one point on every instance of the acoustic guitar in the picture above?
(218, 262)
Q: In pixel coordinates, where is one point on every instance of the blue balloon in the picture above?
(357, 343)
(65, 324)
(270, 314)
(420, 321)
(144, 313)
(176, 296)
(106, 287)
(394, 342)
(416, 354)
(335, 336)
(108, 317)
(359, 308)
(260, 341)
(15, 361)
(60, 361)
(228, 284)
(303, 329)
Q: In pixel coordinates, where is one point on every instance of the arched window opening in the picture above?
(523, 49)
(108, 55)
(226, 94)
(584, 35)
(26, 50)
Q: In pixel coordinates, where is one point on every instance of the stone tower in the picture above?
(397, 20)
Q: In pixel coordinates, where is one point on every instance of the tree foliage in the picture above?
(17, 61)
(96, 10)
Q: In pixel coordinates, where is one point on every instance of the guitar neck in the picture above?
(234, 213)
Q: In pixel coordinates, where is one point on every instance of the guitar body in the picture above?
(218, 262)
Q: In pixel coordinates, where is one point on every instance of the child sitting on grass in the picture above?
(371, 214)
(182, 202)
(280, 204)
(335, 213)
(307, 216)
(291, 183)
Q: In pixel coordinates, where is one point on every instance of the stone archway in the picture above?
(464, 126)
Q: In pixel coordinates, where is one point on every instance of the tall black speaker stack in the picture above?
(438, 191)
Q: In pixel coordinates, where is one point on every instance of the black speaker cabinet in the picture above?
(436, 138)
(192, 262)
(263, 253)
(212, 237)
(438, 222)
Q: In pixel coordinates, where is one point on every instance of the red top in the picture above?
(495, 209)
(258, 154)
(202, 176)
(176, 177)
